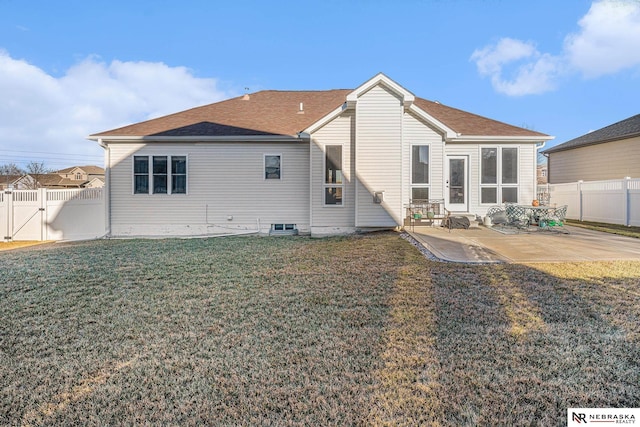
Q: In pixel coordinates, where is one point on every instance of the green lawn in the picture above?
(357, 330)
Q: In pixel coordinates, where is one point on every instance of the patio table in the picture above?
(537, 213)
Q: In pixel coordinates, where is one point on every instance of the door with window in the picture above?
(456, 184)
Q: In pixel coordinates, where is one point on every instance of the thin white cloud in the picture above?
(42, 113)
(491, 59)
(607, 42)
(530, 71)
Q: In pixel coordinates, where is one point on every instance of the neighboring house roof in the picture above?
(626, 128)
(55, 180)
(89, 170)
(95, 181)
(287, 113)
(15, 181)
(9, 179)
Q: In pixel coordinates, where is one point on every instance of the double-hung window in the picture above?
(419, 172)
(333, 177)
(499, 175)
(272, 166)
(159, 174)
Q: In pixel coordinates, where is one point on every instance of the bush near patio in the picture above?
(270, 331)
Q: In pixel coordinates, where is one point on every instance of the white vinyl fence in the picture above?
(44, 214)
(612, 202)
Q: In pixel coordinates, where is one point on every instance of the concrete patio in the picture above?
(483, 245)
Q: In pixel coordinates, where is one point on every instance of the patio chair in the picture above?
(517, 216)
(561, 213)
(497, 215)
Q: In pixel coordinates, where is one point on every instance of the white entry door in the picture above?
(456, 184)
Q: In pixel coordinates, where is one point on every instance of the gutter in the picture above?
(203, 138)
(487, 138)
(107, 187)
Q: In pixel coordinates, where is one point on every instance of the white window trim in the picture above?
(411, 183)
(264, 166)
(498, 185)
(150, 157)
(326, 185)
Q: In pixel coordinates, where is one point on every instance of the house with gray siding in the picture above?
(319, 162)
(612, 152)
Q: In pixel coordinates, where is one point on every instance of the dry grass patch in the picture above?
(7, 246)
(522, 344)
(607, 228)
(251, 331)
(359, 330)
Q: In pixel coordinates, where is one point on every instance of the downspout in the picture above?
(548, 168)
(539, 146)
(107, 187)
(310, 183)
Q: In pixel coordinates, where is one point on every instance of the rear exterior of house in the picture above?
(324, 163)
(207, 188)
(612, 152)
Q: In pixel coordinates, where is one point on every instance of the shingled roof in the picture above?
(465, 123)
(278, 113)
(89, 169)
(267, 112)
(626, 128)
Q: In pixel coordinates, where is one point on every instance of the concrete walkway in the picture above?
(483, 245)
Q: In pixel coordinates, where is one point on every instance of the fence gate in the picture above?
(46, 214)
(24, 215)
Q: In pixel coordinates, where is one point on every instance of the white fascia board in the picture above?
(270, 138)
(407, 97)
(489, 138)
(448, 132)
(323, 121)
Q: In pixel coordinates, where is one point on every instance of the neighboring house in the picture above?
(541, 173)
(16, 182)
(95, 183)
(321, 162)
(73, 177)
(612, 152)
(55, 181)
(82, 173)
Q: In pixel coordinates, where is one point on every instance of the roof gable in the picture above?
(380, 79)
(623, 129)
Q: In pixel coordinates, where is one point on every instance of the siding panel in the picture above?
(340, 131)
(379, 158)
(417, 132)
(225, 180)
(611, 160)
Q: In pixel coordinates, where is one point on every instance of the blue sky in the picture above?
(72, 68)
